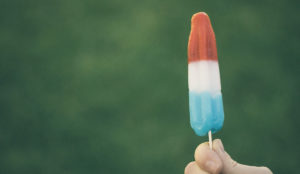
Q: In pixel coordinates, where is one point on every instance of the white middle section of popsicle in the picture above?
(204, 75)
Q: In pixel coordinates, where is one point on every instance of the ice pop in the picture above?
(205, 97)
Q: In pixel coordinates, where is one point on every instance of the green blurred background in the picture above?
(101, 86)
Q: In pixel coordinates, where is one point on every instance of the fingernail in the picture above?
(220, 145)
(211, 166)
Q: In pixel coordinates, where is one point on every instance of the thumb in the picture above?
(232, 167)
(207, 159)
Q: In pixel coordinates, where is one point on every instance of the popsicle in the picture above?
(205, 97)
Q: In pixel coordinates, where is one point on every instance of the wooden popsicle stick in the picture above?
(210, 140)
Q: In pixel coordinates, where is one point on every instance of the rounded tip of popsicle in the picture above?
(200, 14)
(199, 17)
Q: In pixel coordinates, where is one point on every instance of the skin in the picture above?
(217, 161)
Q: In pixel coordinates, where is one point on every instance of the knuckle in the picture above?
(188, 167)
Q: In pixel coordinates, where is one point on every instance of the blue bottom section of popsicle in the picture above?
(206, 112)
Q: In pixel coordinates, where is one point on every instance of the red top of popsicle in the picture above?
(202, 41)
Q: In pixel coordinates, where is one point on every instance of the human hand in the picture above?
(217, 161)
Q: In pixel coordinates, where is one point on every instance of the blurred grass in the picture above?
(101, 86)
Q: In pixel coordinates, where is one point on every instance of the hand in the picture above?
(218, 161)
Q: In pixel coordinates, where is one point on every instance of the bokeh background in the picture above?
(101, 86)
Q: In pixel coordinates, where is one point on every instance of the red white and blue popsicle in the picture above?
(205, 97)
